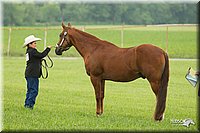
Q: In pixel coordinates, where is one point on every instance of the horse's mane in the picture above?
(86, 34)
(92, 37)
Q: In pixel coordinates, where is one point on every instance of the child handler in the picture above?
(33, 69)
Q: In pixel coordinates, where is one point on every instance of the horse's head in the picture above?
(64, 42)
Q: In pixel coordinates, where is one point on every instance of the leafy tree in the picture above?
(117, 11)
(51, 13)
(161, 13)
(98, 13)
(13, 14)
(29, 17)
(101, 13)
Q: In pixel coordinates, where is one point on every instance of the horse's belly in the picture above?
(121, 76)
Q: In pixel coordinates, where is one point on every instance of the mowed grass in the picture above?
(66, 100)
(182, 40)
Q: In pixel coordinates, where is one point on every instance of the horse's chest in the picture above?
(93, 67)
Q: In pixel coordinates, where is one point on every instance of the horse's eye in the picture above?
(60, 35)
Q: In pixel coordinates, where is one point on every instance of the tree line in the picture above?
(34, 14)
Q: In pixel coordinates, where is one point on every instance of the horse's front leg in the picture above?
(98, 84)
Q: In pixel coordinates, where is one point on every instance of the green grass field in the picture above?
(66, 100)
(182, 40)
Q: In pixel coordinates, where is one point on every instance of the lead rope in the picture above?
(45, 66)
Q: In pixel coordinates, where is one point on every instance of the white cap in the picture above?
(30, 39)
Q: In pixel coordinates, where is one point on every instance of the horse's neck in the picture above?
(84, 43)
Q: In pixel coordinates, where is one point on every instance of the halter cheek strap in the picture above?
(65, 33)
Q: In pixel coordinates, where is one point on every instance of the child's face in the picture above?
(32, 45)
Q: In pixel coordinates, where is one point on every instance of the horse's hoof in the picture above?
(98, 114)
(161, 118)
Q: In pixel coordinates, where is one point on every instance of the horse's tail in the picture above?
(162, 93)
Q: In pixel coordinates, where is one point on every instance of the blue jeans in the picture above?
(32, 91)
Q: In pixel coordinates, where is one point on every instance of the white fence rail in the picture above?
(83, 28)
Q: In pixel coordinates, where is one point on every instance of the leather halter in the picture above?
(65, 34)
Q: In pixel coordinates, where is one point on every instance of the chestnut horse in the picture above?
(105, 61)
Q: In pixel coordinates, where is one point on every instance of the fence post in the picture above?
(83, 28)
(122, 36)
(9, 41)
(167, 40)
(45, 37)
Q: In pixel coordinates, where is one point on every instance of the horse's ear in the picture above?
(69, 25)
(63, 25)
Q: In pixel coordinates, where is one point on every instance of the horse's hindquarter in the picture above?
(151, 61)
(116, 64)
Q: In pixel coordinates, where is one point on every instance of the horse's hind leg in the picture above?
(158, 115)
(99, 93)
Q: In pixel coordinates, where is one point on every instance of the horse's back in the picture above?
(150, 50)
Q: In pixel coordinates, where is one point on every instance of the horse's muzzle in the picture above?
(58, 51)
